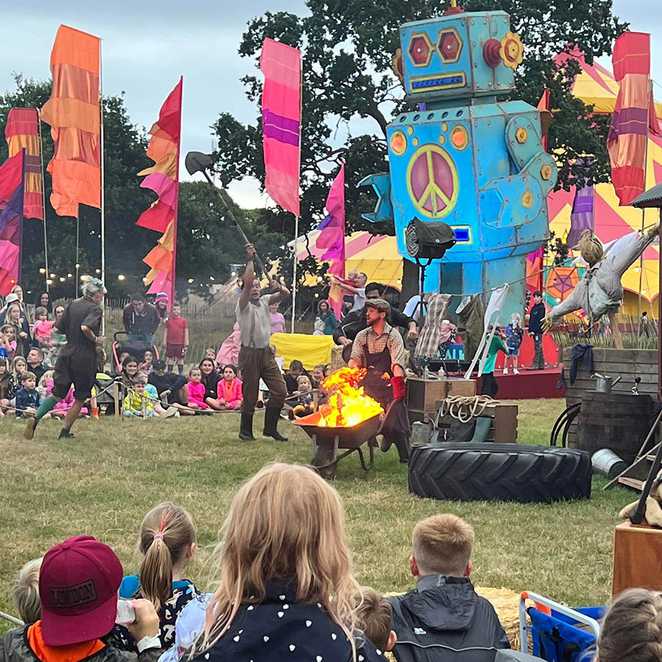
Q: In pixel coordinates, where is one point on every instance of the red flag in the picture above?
(281, 122)
(628, 135)
(11, 220)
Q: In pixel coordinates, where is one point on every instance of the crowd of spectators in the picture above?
(285, 589)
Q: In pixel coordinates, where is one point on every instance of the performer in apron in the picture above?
(380, 349)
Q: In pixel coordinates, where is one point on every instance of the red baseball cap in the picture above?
(78, 584)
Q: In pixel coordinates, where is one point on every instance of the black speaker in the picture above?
(428, 240)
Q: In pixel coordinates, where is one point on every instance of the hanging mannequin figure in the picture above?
(600, 292)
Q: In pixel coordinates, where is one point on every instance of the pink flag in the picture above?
(632, 116)
(332, 237)
(281, 122)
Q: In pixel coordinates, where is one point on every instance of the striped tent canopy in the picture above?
(375, 255)
(596, 85)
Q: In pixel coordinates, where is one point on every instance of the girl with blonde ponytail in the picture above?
(286, 589)
(167, 543)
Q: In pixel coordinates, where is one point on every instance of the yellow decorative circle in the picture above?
(410, 130)
(444, 126)
(511, 51)
(414, 142)
(546, 172)
(527, 199)
(521, 135)
(433, 190)
(459, 137)
(442, 139)
(398, 143)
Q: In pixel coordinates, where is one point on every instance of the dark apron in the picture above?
(395, 427)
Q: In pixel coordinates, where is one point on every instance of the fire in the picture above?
(348, 405)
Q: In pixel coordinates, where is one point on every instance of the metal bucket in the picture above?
(606, 462)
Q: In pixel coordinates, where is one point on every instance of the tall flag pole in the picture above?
(632, 118)
(163, 179)
(281, 129)
(102, 228)
(332, 238)
(12, 192)
(22, 131)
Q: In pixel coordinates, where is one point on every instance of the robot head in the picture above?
(459, 55)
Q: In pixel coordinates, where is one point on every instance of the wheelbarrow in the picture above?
(327, 441)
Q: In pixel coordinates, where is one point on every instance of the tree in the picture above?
(347, 48)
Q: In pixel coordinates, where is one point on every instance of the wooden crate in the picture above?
(637, 558)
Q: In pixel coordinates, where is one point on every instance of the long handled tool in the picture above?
(199, 162)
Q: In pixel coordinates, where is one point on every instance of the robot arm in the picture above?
(381, 184)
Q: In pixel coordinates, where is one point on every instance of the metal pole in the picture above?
(21, 218)
(294, 272)
(101, 184)
(659, 319)
(77, 290)
(175, 220)
(43, 198)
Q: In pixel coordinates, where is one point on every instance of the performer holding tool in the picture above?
(380, 349)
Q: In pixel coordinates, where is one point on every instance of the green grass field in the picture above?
(103, 482)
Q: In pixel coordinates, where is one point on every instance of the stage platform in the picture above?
(529, 384)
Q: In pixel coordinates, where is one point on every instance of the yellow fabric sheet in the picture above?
(310, 350)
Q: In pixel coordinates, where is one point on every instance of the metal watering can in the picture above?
(604, 383)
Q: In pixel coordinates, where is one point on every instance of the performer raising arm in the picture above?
(77, 361)
(256, 357)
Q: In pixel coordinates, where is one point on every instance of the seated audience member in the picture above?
(71, 628)
(631, 628)
(129, 372)
(137, 402)
(292, 375)
(229, 389)
(318, 376)
(305, 403)
(286, 590)
(7, 341)
(19, 366)
(62, 407)
(7, 386)
(325, 322)
(444, 613)
(210, 379)
(43, 327)
(189, 626)
(27, 397)
(169, 386)
(196, 390)
(26, 592)
(210, 353)
(152, 394)
(35, 359)
(148, 362)
(167, 543)
(375, 616)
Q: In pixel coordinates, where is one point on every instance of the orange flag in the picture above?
(74, 116)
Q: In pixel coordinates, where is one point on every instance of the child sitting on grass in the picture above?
(147, 364)
(26, 592)
(62, 407)
(35, 360)
(27, 397)
(137, 402)
(43, 328)
(229, 389)
(305, 402)
(375, 617)
(196, 390)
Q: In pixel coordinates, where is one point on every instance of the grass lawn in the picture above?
(103, 482)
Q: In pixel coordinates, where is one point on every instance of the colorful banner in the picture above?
(12, 188)
(331, 238)
(281, 122)
(73, 114)
(632, 116)
(22, 132)
(581, 216)
(163, 179)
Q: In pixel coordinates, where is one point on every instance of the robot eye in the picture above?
(449, 46)
(420, 50)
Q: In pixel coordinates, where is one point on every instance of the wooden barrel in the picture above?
(618, 421)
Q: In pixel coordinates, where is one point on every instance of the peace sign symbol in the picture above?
(432, 181)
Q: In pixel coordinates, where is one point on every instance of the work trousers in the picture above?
(539, 358)
(256, 363)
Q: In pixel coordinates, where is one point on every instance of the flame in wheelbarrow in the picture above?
(347, 405)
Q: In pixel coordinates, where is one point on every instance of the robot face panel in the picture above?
(459, 55)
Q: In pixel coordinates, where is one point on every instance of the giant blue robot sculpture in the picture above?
(467, 158)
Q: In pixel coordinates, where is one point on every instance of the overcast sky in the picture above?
(148, 44)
